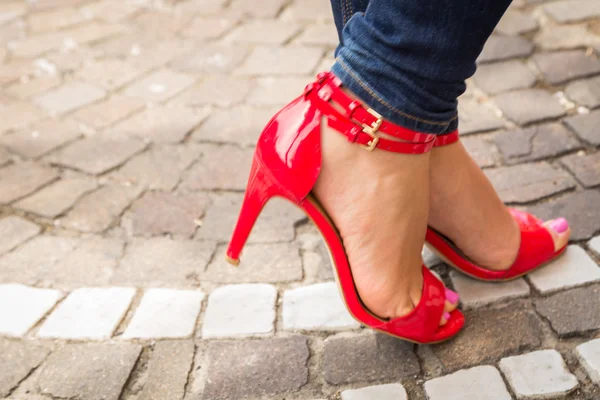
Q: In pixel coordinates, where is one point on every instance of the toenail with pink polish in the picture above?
(559, 225)
(446, 316)
(451, 296)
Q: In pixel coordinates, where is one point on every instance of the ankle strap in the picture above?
(360, 124)
(447, 139)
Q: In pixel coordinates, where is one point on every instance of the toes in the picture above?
(445, 318)
(560, 231)
(450, 305)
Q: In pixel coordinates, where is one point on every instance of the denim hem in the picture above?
(352, 80)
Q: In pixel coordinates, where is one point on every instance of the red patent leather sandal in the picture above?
(536, 250)
(287, 162)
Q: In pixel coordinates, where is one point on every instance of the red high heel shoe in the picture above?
(536, 250)
(287, 162)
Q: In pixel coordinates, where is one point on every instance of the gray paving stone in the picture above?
(316, 307)
(159, 86)
(21, 307)
(16, 116)
(594, 244)
(516, 23)
(572, 312)
(97, 211)
(572, 11)
(170, 23)
(527, 182)
(110, 74)
(88, 313)
(168, 370)
(248, 9)
(18, 358)
(589, 357)
(211, 59)
(504, 76)
(564, 37)
(14, 231)
(585, 92)
(163, 262)
(319, 35)
(206, 29)
(57, 198)
(92, 32)
(308, 10)
(381, 358)
(19, 180)
(578, 208)
(586, 168)
(560, 67)
(481, 150)
(482, 342)
(159, 168)
(527, 106)
(161, 53)
(268, 263)
(25, 90)
(219, 167)
(160, 124)
(35, 259)
(275, 224)
(574, 268)
(474, 293)
(217, 90)
(393, 391)
(99, 256)
(101, 115)
(109, 10)
(535, 143)
(159, 213)
(281, 61)
(274, 91)
(73, 370)
(269, 32)
(165, 313)
(42, 138)
(504, 47)
(240, 310)
(239, 125)
(69, 97)
(97, 154)
(538, 375)
(274, 366)
(476, 117)
(585, 126)
(479, 383)
(35, 46)
(5, 157)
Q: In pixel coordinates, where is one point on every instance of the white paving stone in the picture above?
(573, 268)
(474, 293)
(538, 375)
(589, 357)
(21, 307)
(479, 383)
(316, 307)
(88, 313)
(240, 310)
(14, 231)
(392, 391)
(595, 244)
(165, 313)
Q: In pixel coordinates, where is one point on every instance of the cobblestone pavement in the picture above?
(126, 129)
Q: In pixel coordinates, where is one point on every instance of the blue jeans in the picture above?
(409, 59)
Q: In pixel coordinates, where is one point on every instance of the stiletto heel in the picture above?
(258, 192)
(535, 251)
(287, 163)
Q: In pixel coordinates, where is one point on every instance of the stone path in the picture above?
(126, 129)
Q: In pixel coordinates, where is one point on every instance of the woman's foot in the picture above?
(379, 202)
(465, 208)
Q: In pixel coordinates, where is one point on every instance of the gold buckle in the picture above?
(372, 130)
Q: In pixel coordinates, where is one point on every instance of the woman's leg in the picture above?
(410, 58)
